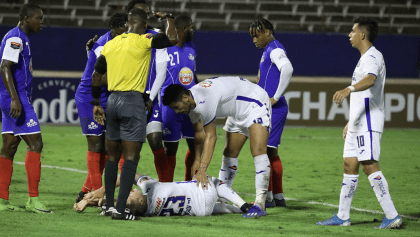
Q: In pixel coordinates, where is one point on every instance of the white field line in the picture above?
(242, 193)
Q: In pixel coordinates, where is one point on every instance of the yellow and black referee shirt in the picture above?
(128, 60)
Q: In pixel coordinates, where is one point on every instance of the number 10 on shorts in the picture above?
(360, 141)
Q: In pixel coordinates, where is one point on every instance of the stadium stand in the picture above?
(394, 16)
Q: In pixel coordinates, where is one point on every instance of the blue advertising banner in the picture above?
(53, 100)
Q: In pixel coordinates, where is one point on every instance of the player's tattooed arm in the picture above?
(8, 81)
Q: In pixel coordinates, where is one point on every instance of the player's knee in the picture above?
(370, 167)
(230, 152)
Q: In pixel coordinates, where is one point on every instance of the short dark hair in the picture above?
(117, 20)
(28, 9)
(260, 24)
(174, 93)
(131, 4)
(368, 24)
(182, 20)
(139, 12)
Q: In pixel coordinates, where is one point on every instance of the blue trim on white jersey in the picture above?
(369, 124)
(243, 98)
(210, 122)
(371, 146)
(372, 74)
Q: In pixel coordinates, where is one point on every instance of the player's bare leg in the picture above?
(8, 151)
(258, 142)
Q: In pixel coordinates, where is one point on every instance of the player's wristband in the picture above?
(352, 89)
(95, 103)
(96, 92)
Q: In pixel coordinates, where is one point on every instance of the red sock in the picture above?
(160, 163)
(170, 170)
(270, 184)
(33, 172)
(277, 174)
(121, 163)
(6, 170)
(87, 187)
(94, 169)
(189, 160)
(102, 163)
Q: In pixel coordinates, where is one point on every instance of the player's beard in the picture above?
(189, 36)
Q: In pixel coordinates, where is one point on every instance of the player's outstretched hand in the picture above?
(99, 114)
(159, 15)
(15, 108)
(201, 177)
(91, 42)
(95, 195)
(340, 95)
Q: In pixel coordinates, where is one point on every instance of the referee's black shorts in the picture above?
(126, 116)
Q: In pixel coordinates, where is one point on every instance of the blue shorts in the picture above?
(175, 126)
(156, 113)
(89, 126)
(278, 119)
(26, 124)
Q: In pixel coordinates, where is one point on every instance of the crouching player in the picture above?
(172, 199)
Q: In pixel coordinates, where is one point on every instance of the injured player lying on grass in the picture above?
(174, 198)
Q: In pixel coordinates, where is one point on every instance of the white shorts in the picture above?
(363, 145)
(257, 113)
(210, 198)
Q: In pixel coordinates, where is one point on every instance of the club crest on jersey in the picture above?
(205, 84)
(92, 126)
(15, 45)
(31, 123)
(186, 76)
(158, 205)
(191, 57)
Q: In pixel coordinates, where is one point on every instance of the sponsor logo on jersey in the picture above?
(361, 152)
(186, 76)
(202, 102)
(31, 123)
(92, 126)
(191, 57)
(15, 45)
(205, 84)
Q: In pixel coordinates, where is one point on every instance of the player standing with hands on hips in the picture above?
(363, 132)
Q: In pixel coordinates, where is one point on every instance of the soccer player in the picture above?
(180, 70)
(19, 119)
(126, 59)
(274, 76)
(173, 198)
(94, 132)
(363, 132)
(248, 109)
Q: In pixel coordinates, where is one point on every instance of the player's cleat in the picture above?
(80, 196)
(6, 206)
(280, 202)
(254, 212)
(390, 223)
(124, 216)
(335, 220)
(107, 212)
(269, 204)
(34, 205)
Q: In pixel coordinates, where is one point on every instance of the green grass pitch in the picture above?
(312, 161)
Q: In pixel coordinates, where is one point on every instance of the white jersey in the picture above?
(225, 97)
(367, 107)
(173, 199)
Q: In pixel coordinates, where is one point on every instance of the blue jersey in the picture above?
(181, 66)
(269, 74)
(152, 69)
(15, 48)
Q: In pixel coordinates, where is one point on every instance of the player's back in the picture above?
(172, 199)
(15, 48)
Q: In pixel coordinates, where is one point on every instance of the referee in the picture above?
(126, 61)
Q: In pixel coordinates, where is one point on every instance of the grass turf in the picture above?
(312, 180)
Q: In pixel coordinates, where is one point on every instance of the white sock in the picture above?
(279, 196)
(262, 178)
(228, 170)
(380, 187)
(348, 189)
(270, 196)
(227, 193)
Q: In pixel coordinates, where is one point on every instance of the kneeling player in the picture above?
(173, 199)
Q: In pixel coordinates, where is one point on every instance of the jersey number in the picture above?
(172, 58)
(360, 141)
(174, 202)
